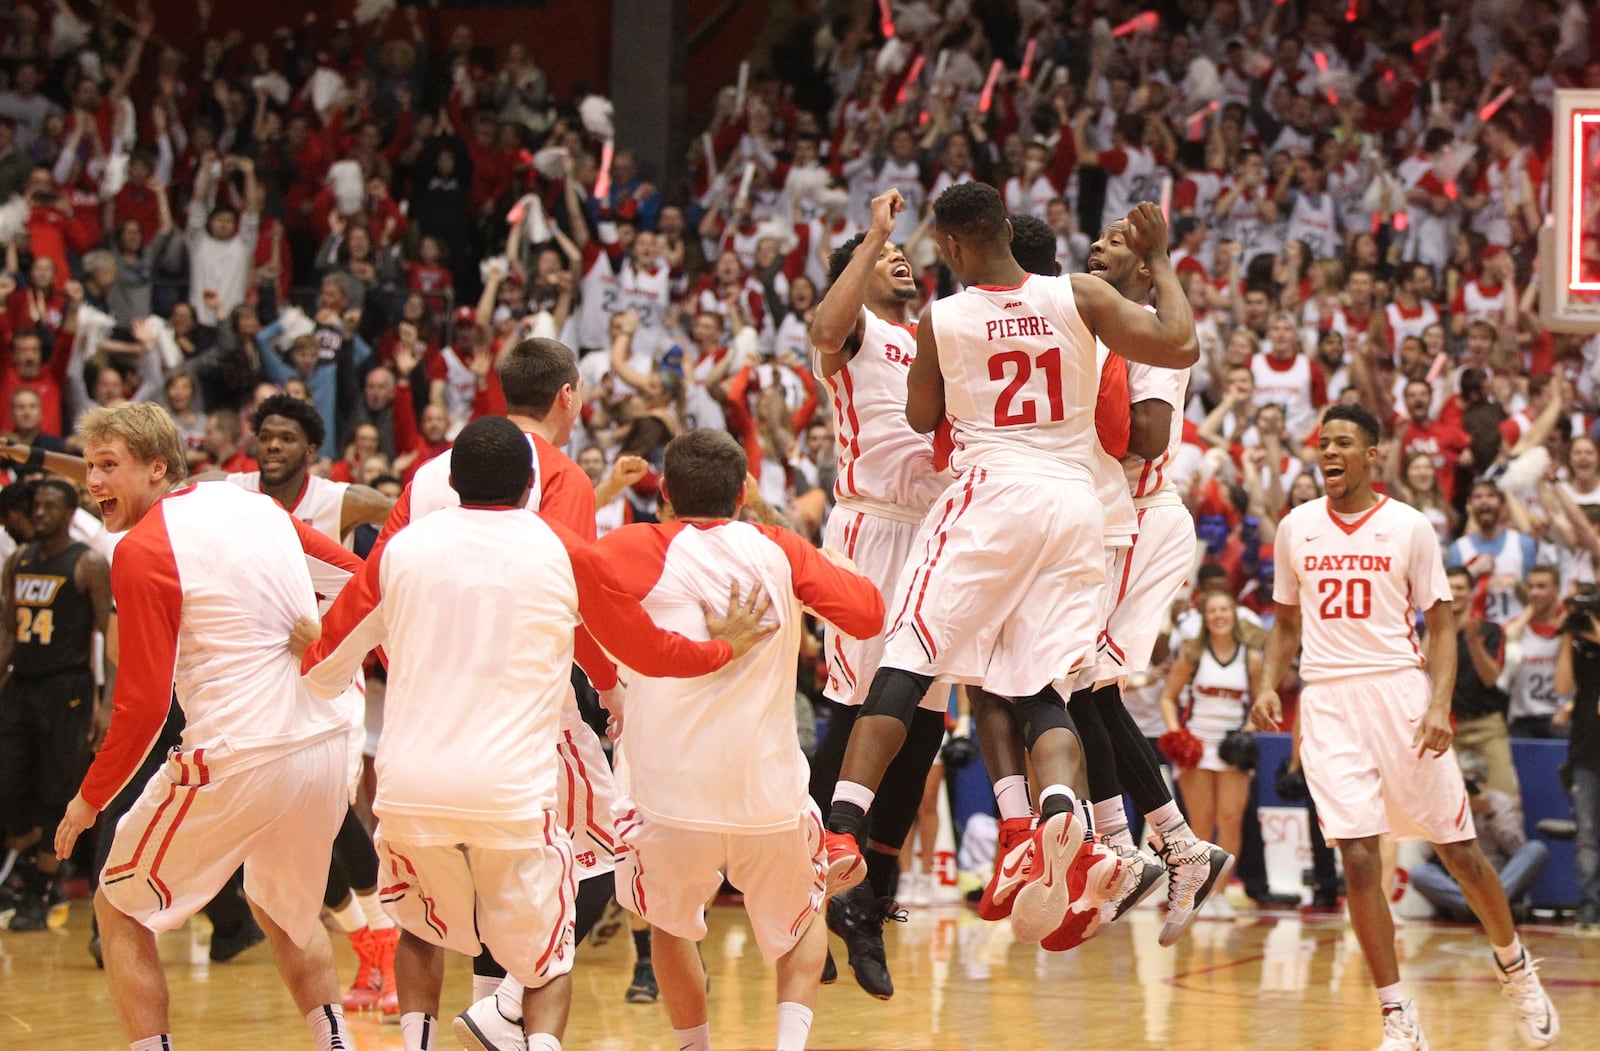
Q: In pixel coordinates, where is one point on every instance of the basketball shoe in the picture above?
(384, 944)
(482, 1027)
(1194, 870)
(365, 991)
(858, 917)
(1536, 1015)
(1401, 1030)
(1043, 902)
(1093, 880)
(1141, 872)
(1013, 854)
(846, 866)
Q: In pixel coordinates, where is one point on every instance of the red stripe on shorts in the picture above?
(919, 625)
(588, 812)
(161, 851)
(557, 936)
(138, 852)
(428, 912)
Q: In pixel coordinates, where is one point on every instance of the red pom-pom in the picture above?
(1182, 748)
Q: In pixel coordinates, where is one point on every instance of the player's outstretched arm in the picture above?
(925, 382)
(832, 590)
(353, 628)
(1282, 645)
(1165, 338)
(363, 505)
(1149, 427)
(836, 328)
(69, 467)
(1434, 734)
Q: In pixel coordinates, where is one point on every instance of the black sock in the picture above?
(1060, 803)
(641, 945)
(845, 818)
(883, 873)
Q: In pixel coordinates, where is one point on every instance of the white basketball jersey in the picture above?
(1403, 323)
(1533, 687)
(1019, 379)
(1289, 387)
(431, 491)
(1315, 220)
(647, 293)
(882, 461)
(321, 503)
(1151, 482)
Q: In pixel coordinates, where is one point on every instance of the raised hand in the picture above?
(886, 207)
(1146, 231)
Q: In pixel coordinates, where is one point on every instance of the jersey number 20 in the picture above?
(1025, 413)
(1345, 598)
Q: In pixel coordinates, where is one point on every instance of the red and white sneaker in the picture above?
(1093, 878)
(364, 992)
(1012, 857)
(1041, 903)
(384, 943)
(846, 866)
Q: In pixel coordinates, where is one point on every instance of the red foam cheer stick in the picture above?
(1145, 22)
(886, 19)
(987, 97)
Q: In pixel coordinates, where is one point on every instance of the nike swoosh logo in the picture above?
(1313, 537)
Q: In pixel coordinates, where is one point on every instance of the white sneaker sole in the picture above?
(1040, 906)
(843, 874)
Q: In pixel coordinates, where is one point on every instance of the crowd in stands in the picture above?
(367, 215)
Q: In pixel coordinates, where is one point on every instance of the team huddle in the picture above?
(1005, 521)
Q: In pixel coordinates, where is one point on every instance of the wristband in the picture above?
(35, 460)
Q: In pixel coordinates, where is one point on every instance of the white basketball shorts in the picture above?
(881, 549)
(516, 900)
(1006, 586)
(665, 874)
(585, 792)
(1363, 770)
(1144, 579)
(189, 831)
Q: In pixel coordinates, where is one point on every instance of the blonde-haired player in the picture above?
(1352, 567)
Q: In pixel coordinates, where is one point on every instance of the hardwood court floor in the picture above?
(1266, 981)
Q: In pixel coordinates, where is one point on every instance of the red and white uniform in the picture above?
(1429, 237)
(1297, 384)
(711, 769)
(1219, 703)
(561, 493)
(601, 295)
(1315, 219)
(1147, 576)
(1533, 682)
(1359, 584)
(1476, 301)
(1502, 181)
(321, 506)
(1112, 423)
(648, 292)
(1131, 177)
(210, 583)
(1019, 370)
(1403, 322)
(1246, 223)
(886, 483)
(480, 670)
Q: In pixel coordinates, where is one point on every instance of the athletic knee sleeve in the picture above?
(1042, 712)
(594, 894)
(894, 808)
(1098, 754)
(896, 693)
(1138, 769)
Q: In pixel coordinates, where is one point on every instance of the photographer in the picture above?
(1498, 823)
(1578, 681)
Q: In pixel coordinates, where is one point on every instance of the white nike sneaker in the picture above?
(1536, 1015)
(482, 1027)
(1401, 1030)
(1195, 870)
(1142, 873)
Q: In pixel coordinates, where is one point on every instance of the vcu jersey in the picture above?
(54, 619)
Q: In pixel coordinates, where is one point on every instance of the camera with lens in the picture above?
(1583, 612)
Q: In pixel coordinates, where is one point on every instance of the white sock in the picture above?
(1509, 954)
(153, 1043)
(1110, 817)
(850, 792)
(543, 1042)
(794, 1026)
(349, 916)
(696, 1039)
(418, 1030)
(372, 909)
(1168, 820)
(1391, 994)
(508, 998)
(1011, 795)
(328, 1028)
(484, 986)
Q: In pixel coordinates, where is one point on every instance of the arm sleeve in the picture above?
(619, 622)
(351, 630)
(145, 585)
(565, 493)
(405, 420)
(848, 601)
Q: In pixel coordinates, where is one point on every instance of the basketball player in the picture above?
(1374, 731)
(540, 380)
(694, 807)
(1144, 574)
(57, 595)
(209, 582)
(864, 342)
(1010, 362)
(478, 605)
(288, 433)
